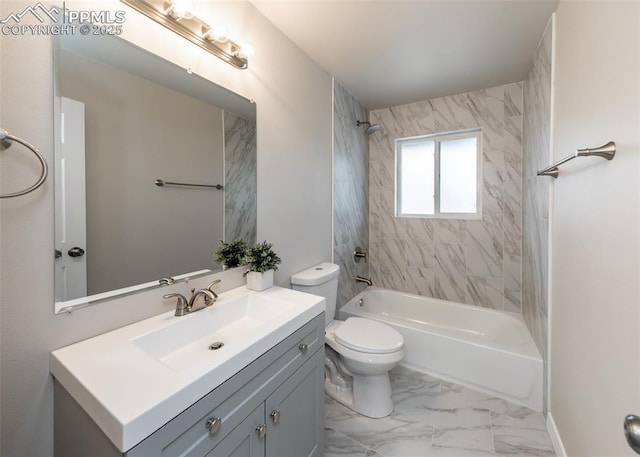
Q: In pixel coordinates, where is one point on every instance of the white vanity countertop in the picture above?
(130, 393)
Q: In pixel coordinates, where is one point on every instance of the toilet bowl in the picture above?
(359, 352)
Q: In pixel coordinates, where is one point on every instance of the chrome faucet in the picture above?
(184, 306)
(367, 281)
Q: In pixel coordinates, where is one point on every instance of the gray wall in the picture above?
(595, 228)
(294, 174)
(240, 183)
(537, 155)
(134, 227)
(351, 189)
(468, 261)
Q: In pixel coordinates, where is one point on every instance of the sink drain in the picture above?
(215, 346)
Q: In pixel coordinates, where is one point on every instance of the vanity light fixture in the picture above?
(178, 16)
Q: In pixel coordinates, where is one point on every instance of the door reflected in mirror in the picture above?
(126, 118)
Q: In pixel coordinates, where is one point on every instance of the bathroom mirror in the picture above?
(126, 121)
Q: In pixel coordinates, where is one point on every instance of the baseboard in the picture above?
(555, 436)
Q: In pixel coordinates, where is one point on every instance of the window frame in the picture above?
(438, 138)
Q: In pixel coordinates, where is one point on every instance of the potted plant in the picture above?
(262, 261)
(231, 254)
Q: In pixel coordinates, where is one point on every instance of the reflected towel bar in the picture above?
(607, 151)
(7, 140)
(161, 183)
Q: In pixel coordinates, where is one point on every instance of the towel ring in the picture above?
(7, 140)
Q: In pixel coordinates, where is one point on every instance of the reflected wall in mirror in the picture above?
(124, 119)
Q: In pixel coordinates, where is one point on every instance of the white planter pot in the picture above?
(259, 281)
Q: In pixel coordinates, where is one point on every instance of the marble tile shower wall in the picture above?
(240, 178)
(537, 139)
(469, 261)
(351, 187)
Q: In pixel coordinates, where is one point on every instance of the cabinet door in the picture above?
(244, 440)
(295, 413)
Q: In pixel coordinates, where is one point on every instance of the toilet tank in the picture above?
(320, 280)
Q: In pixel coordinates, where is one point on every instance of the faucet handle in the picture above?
(181, 305)
(209, 288)
(213, 283)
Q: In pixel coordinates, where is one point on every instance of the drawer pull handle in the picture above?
(261, 430)
(303, 347)
(275, 416)
(214, 424)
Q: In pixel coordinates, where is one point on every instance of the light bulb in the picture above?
(217, 33)
(181, 9)
(245, 51)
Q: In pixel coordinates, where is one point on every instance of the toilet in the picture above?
(359, 352)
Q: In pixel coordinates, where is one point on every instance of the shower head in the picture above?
(371, 127)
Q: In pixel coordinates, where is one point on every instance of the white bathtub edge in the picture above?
(555, 436)
(532, 404)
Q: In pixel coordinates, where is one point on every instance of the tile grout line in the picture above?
(433, 436)
(493, 439)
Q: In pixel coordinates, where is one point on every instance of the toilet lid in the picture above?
(365, 335)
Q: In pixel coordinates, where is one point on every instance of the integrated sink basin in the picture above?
(133, 380)
(185, 342)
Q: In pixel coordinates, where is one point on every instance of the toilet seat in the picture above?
(366, 336)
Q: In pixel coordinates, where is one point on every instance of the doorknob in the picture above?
(75, 252)
(632, 431)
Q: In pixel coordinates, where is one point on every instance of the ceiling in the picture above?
(391, 52)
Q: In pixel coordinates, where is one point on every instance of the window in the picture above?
(439, 175)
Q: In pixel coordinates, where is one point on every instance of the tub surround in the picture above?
(487, 350)
(469, 261)
(351, 188)
(536, 190)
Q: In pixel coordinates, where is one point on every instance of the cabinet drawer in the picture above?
(187, 434)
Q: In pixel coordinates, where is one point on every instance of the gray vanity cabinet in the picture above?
(295, 420)
(288, 424)
(274, 407)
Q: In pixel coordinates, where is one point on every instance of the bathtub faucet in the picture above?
(367, 281)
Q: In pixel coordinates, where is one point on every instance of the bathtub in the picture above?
(487, 350)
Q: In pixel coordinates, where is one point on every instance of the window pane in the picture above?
(416, 177)
(458, 175)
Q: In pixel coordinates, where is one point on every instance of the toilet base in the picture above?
(369, 395)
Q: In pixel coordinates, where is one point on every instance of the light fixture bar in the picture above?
(192, 29)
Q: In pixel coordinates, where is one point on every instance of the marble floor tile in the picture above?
(473, 438)
(444, 417)
(457, 396)
(434, 418)
(521, 432)
(522, 442)
(372, 453)
(439, 451)
(395, 435)
(339, 445)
